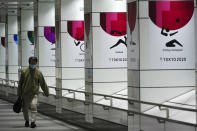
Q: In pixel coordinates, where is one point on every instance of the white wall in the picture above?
(72, 58)
(46, 17)
(27, 24)
(2, 51)
(12, 48)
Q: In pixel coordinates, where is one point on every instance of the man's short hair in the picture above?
(33, 58)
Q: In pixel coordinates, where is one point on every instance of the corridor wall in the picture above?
(161, 55)
(106, 54)
(2, 51)
(12, 54)
(27, 36)
(44, 24)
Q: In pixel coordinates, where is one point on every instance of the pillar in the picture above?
(2, 51)
(58, 57)
(161, 62)
(71, 46)
(195, 14)
(106, 51)
(12, 46)
(26, 36)
(44, 24)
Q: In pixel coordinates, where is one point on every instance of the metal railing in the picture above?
(129, 100)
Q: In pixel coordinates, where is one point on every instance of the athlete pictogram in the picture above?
(171, 16)
(172, 42)
(115, 25)
(120, 41)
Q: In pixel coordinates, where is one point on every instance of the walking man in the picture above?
(28, 87)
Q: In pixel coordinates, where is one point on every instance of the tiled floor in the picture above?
(10, 121)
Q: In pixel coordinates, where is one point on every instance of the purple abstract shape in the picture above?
(49, 33)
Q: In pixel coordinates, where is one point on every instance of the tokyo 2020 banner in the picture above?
(110, 40)
(171, 35)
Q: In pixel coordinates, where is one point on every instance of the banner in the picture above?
(47, 47)
(109, 42)
(73, 44)
(171, 35)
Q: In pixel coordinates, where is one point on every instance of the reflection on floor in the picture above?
(10, 121)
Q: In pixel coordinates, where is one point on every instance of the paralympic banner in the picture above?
(74, 43)
(72, 38)
(109, 34)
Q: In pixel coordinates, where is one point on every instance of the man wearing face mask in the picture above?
(30, 81)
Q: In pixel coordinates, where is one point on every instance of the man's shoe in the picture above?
(26, 123)
(33, 125)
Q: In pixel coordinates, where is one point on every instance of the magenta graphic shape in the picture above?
(76, 29)
(171, 14)
(132, 15)
(114, 23)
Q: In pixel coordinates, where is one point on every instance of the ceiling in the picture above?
(10, 7)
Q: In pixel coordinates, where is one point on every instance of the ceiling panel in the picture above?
(10, 7)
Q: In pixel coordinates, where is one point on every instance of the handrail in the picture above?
(126, 99)
(131, 100)
(130, 112)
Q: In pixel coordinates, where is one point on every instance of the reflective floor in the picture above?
(10, 121)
